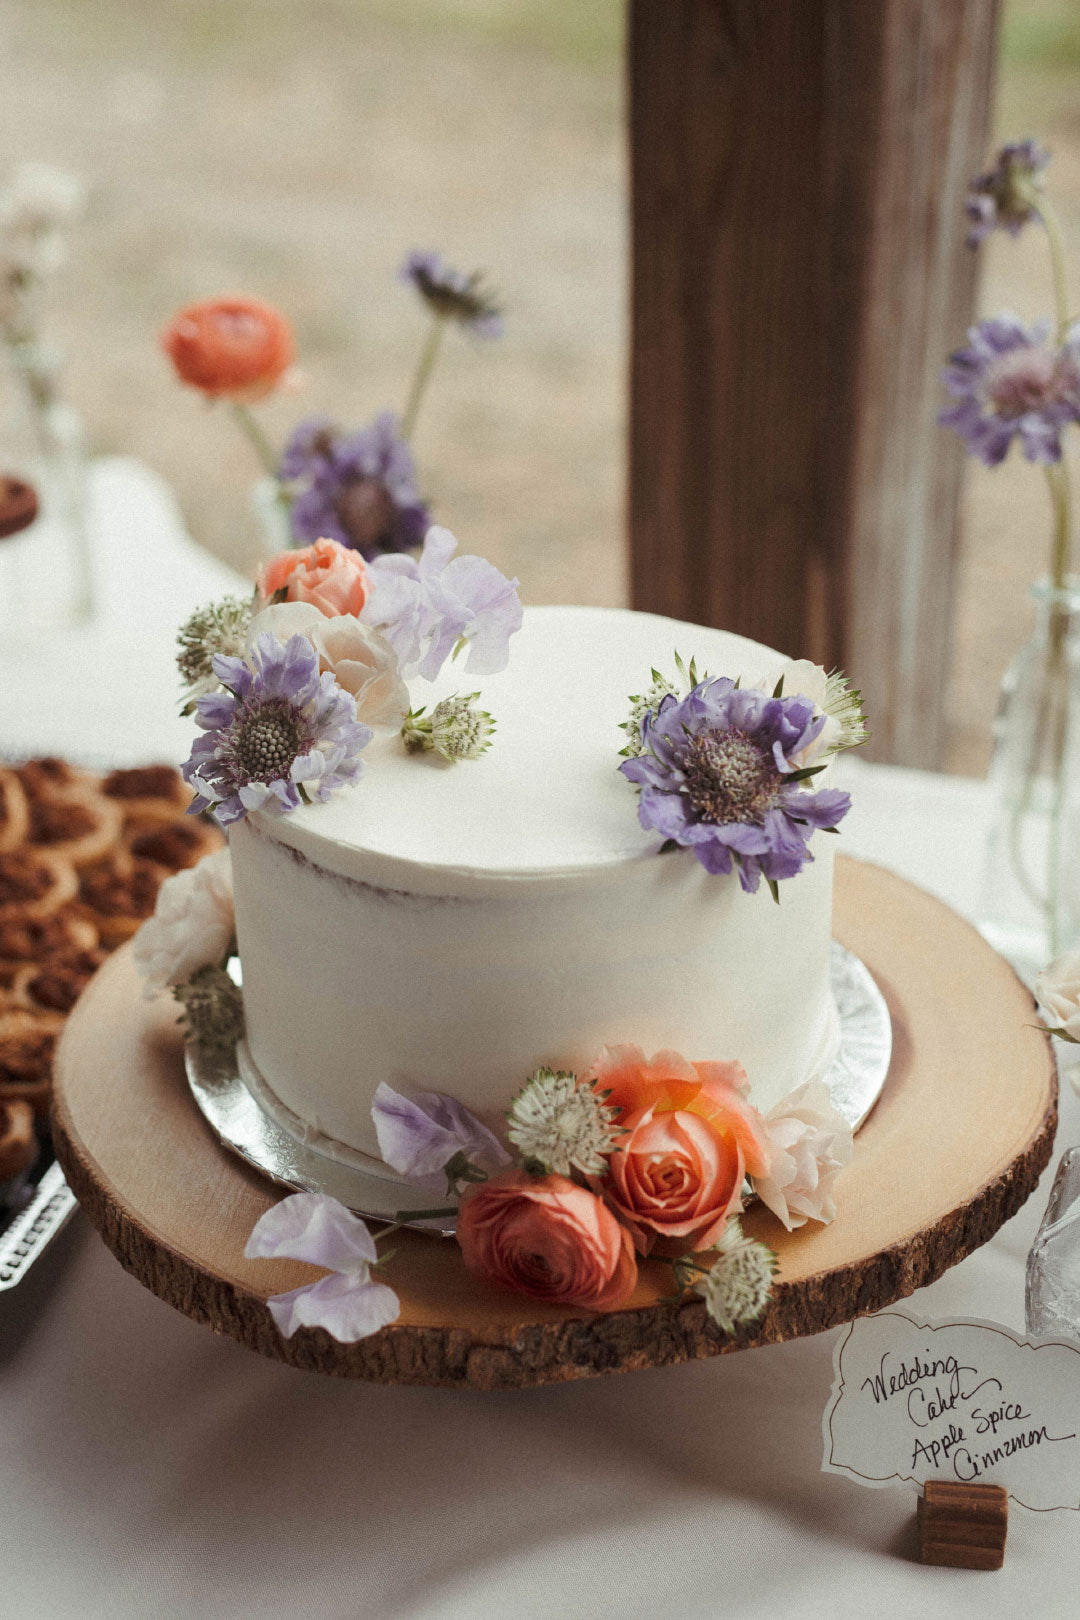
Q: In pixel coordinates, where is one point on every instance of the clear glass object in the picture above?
(272, 516)
(1053, 1267)
(45, 574)
(1030, 908)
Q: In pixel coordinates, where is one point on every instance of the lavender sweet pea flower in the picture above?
(420, 1135)
(361, 487)
(426, 606)
(278, 732)
(452, 295)
(1011, 383)
(316, 1228)
(719, 776)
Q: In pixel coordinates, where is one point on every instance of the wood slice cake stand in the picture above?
(955, 1145)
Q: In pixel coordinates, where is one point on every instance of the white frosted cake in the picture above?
(454, 927)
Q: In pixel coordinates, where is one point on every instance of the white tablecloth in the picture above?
(148, 1469)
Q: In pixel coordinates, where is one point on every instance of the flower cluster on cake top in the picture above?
(591, 1173)
(287, 688)
(722, 768)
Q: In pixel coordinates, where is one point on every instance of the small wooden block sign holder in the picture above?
(963, 1526)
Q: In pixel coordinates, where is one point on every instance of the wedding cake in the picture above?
(453, 927)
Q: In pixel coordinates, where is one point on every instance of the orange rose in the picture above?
(691, 1137)
(549, 1238)
(327, 574)
(233, 348)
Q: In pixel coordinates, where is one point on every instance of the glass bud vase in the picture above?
(1030, 908)
(1053, 1267)
(45, 573)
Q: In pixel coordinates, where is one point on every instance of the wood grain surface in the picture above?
(963, 1526)
(800, 274)
(953, 1148)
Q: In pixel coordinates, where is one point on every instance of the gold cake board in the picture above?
(955, 1145)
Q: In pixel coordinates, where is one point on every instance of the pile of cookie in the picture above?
(82, 857)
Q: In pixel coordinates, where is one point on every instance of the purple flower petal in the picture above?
(347, 1308)
(315, 1228)
(418, 1136)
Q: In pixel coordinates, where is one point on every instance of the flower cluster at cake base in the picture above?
(287, 688)
(636, 1158)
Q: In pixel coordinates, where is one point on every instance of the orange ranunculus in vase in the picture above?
(690, 1137)
(546, 1237)
(230, 348)
(326, 574)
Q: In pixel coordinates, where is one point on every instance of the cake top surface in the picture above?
(547, 797)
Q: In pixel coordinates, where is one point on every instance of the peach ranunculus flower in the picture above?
(326, 574)
(546, 1237)
(690, 1137)
(230, 348)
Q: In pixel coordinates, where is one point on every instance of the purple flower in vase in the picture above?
(1010, 382)
(453, 295)
(360, 487)
(1006, 196)
(278, 731)
(718, 776)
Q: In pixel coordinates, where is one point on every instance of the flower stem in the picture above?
(402, 1217)
(258, 440)
(1057, 479)
(1057, 261)
(422, 376)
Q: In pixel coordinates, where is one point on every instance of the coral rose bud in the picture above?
(546, 1237)
(326, 574)
(230, 348)
(689, 1138)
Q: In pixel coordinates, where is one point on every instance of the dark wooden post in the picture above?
(799, 275)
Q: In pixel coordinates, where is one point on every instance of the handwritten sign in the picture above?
(961, 1400)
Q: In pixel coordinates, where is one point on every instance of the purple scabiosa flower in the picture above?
(360, 487)
(452, 295)
(1011, 382)
(1006, 196)
(718, 776)
(278, 730)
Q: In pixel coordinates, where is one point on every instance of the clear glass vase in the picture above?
(45, 572)
(1030, 907)
(1053, 1267)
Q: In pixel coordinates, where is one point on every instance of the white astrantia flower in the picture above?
(649, 701)
(737, 1287)
(455, 728)
(562, 1124)
(318, 1229)
(192, 925)
(1058, 991)
(810, 1142)
(220, 627)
